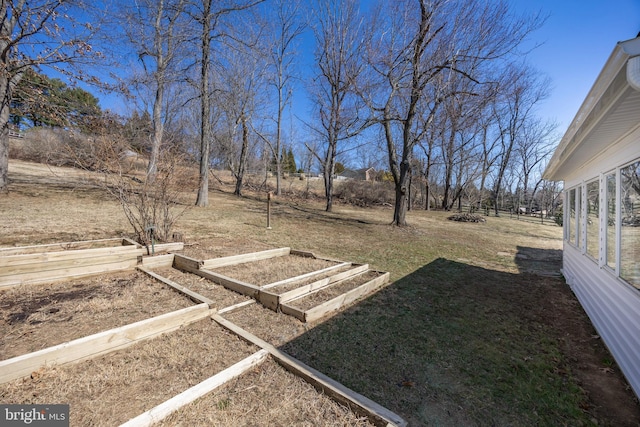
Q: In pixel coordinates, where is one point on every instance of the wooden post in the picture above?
(269, 210)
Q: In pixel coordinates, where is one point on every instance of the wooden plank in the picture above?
(273, 301)
(345, 299)
(84, 244)
(186, 263)
(293, 311)
(321, 284)
(100, 343)
(68, 263)
(268, 299)
(306, 254)
(305, 276)
(309, 254)
(15, 260)
(166, 247)
(167, 408)
(243, 258)
(229, 283)
(66, 274)
(378, 414)
(158, 261)
(186, 291)
(235, 307)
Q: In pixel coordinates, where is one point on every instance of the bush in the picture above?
(365, 193)
(467, 217)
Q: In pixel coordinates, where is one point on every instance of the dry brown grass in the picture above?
(466, 335)
(280, 289)
(330, 292)
(39, 316)
(221, 296)
(109, 390)
(268, 395)
(275, 328)
(273, 270)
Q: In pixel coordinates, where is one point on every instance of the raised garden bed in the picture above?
(111, 389)
(334, 297)
(268, 395)
(64, 261)
(33, 318)
(220, 296)
(267, 271)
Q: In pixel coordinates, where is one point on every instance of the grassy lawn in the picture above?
(474, 329)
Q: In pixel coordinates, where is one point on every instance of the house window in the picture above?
(630, 223)
(593, 218)
(610, 220)
(571, 237)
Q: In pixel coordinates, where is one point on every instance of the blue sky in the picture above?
(577, 38)
(576, 41)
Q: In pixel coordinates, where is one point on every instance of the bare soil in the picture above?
(34, 317)
(112, 389)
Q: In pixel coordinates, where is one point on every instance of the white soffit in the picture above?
(610, 111)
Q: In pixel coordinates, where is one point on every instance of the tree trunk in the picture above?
(205, 125)
(400, 208)
(243, 158)
(6, 92)
(158, 130)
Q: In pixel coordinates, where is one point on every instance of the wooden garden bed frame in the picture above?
(285, 301)
(63, 261)
(101, 343)
(336, 303)
(47, 263)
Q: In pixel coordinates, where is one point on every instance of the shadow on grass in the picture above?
(454, 344)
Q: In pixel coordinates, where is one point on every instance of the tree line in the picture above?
(432, 91)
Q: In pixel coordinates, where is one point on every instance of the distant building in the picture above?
(599, 161)
(365, 174)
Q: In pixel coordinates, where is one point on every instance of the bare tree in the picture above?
(209, 16)
(35, 34)
(285, 28)
(520, 94)
(419, 43)
(533, 149)
(338, 30)
(242, 82)
(156, 31)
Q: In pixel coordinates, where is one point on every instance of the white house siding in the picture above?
(612, 306)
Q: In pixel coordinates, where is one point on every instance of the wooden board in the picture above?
(272, 300)
(182, 262)
(66, 273)
(186, 291)
(159, 248)
(243, 258)
(100, 343)
(306, 276)
(165, 409)
(65, 246)
(235, 307)
(158, 261)
(10, 261)
(229, 283)
(336, 303)
(378, 414)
